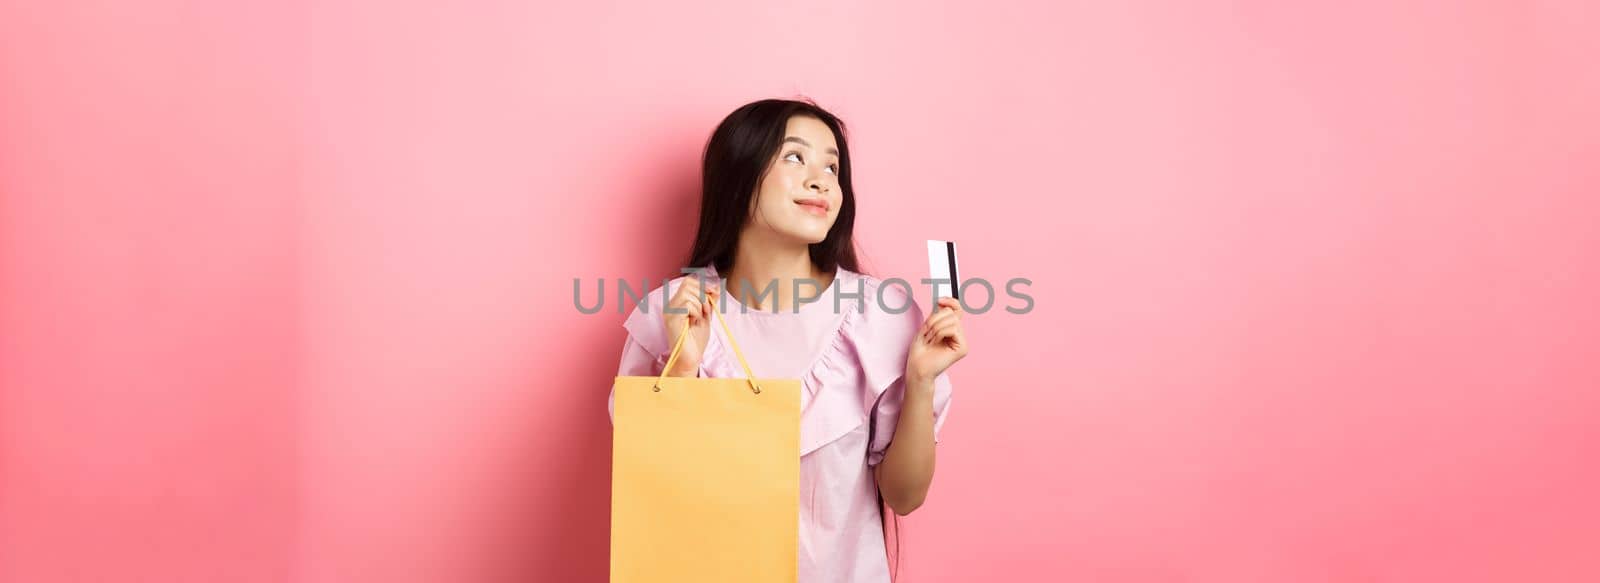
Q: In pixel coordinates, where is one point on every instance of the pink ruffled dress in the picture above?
(851, 362)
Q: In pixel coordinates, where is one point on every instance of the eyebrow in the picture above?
(796, 140)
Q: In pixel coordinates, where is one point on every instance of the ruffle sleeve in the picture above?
(858, 376)
(883, 344)
(887, 415)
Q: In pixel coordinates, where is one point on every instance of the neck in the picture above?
(761, 261)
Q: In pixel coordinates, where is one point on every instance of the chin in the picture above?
(808, 236)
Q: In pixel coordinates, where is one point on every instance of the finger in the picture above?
(683, 297)
(953, 304)
(695, 306)
(685, 305)
(694, 289)
(958, 341)
(939, 313)
(935, 320)
(945, 307)
(944, 331)
(676, 308)
(954, 341)
(704, 289)
(957, 333)
(690, 288)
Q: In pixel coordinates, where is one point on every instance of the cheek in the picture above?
(778, 186)
(770, 193)
(789, 180)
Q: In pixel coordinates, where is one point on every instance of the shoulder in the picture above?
(883, 299)
(883, 310)
(881, 320)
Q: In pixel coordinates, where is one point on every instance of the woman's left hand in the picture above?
(940, 342)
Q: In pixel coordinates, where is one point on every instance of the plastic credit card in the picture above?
(942, 266)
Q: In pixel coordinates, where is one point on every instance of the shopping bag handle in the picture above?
(683, 334)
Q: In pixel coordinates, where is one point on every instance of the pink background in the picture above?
(285, 291)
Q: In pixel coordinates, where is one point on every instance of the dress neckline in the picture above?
(734, 305)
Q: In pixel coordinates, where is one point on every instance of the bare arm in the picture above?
(906, 470)
(907, 467)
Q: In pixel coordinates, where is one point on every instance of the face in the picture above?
(799, 197)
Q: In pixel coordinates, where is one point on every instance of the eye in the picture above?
(794, 155)
(833, 168)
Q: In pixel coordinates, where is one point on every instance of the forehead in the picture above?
(811, 130)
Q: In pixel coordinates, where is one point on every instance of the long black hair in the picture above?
(736, 159)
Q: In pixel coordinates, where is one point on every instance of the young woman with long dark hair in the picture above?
(777, 206)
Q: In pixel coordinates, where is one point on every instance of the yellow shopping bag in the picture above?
(705, 477)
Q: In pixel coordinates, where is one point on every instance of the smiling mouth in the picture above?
(820, 205)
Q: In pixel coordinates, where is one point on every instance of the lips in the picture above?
(816, 203)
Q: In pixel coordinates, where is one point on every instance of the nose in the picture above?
(817, 185)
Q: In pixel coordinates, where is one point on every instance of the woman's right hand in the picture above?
(698, 308)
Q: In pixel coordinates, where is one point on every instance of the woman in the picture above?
(777, 207)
